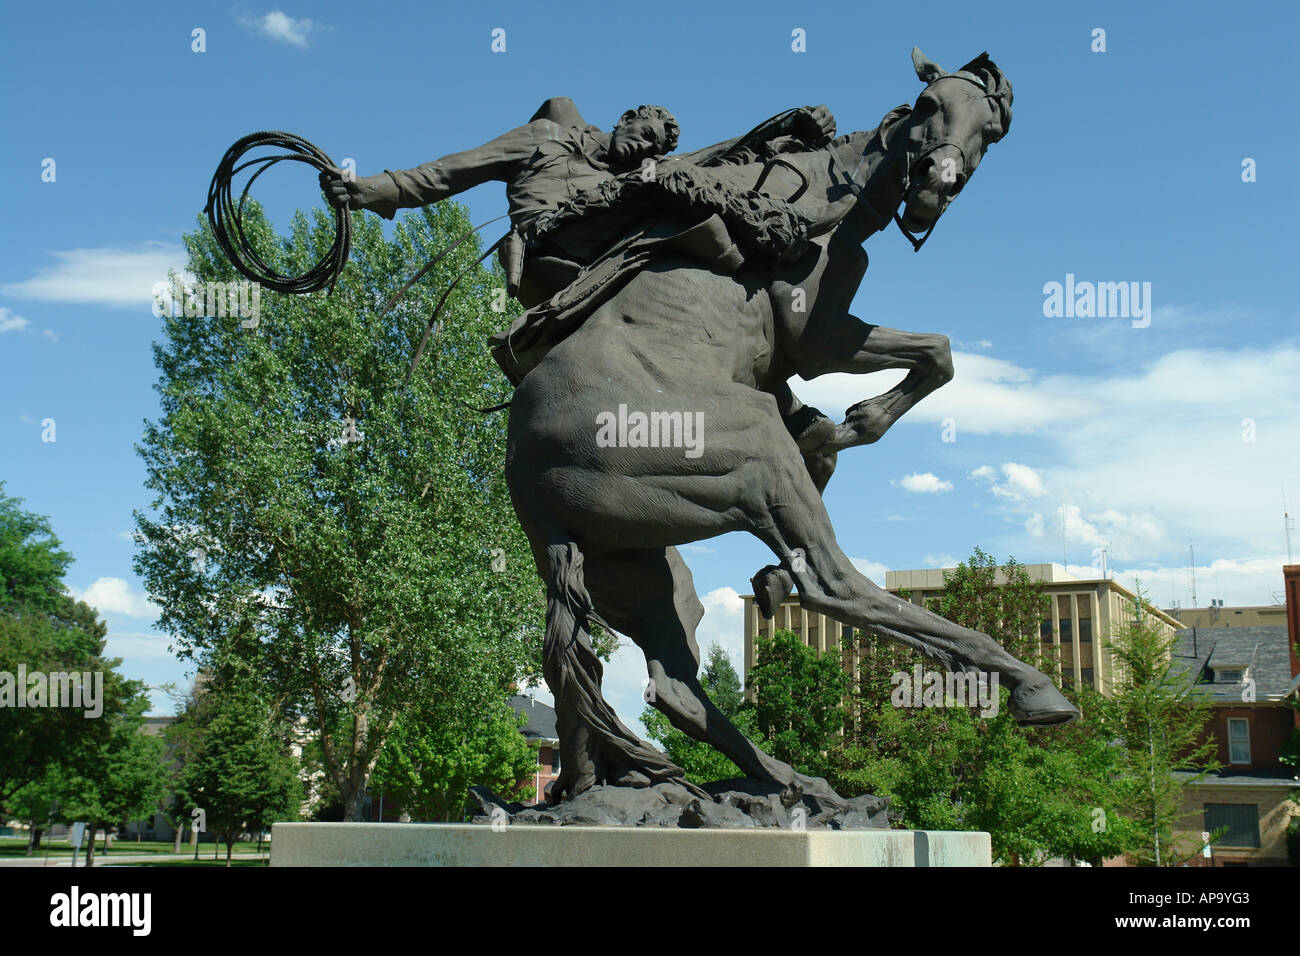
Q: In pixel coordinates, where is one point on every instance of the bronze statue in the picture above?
(691, 295)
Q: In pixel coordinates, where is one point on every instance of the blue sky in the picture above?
(1071, 434)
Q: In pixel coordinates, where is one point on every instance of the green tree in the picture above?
(1156, 714)
(44, 631)
(32, 559)
(125, 779)
(952, 767)
(701, 762)
(241, 774)
(798, 700)
(428, 767)
(37, 804)
(350, 534)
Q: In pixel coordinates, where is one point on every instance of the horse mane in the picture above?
(890, 122)
(999, 87)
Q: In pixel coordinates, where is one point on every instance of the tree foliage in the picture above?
(1035, 791)
(1156, 714)
(428, 768)
(798, 700)
(701, 762)
(59, 756)
(348, 534)
(240, 772)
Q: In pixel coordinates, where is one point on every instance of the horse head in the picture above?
(955, 120)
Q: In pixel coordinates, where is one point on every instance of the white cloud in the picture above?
(112, 277)
(923, 483)
(1245, 581)
(1197, 440)
(114, 596)
(872, 569)
(277, 25)
(9, 322)
(987, 396)
(1022, 482)
(138, 646)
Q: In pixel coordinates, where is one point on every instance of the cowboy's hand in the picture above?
(814, 125)
(340, 193)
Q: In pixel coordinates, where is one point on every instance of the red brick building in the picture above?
(541, 730)
(1251, 675)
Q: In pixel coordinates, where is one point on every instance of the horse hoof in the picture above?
(1040, 704)
(771, 586)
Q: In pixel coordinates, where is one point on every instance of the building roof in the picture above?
(1262, 651)
(1242, 778)
(931, 579)
(541, 718)
(153, 726)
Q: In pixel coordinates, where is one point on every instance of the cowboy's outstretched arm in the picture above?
(405, 189)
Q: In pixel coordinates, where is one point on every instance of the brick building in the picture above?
(1251, 673)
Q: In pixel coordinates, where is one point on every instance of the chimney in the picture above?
(1291, 584)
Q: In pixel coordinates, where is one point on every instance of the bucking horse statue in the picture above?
(690, 289)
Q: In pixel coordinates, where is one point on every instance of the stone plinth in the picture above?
(453, 844)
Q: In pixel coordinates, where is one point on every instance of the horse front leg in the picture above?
(928, 359)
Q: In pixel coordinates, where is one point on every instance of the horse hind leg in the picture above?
(800, 534)
(595, 746)
(649, 595)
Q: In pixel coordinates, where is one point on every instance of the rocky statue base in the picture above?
(739, 803)
(464, 844)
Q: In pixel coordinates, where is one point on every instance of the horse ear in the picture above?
(926, 69)
(981, 62)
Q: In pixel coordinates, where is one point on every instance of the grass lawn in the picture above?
(17, 847)
(234, 862)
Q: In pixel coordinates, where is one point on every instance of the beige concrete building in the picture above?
(1083, 615)
(1257, 615)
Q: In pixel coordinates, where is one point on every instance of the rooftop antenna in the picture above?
(1192, 567)
(1288, 525)
(1065, 545)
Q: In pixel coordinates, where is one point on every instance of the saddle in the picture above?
(562, 294)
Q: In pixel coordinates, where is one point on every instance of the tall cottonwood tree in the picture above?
(348, 535)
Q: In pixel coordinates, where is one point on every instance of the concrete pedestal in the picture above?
(454, 844)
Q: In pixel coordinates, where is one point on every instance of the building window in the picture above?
(1229, 675)
(1240, 819)
(1238, 740)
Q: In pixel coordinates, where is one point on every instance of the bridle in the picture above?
(925, 150)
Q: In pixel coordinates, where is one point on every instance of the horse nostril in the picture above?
(958, 183)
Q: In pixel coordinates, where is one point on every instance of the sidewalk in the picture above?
(114, 858)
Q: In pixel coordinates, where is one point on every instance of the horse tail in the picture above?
(595, 746)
